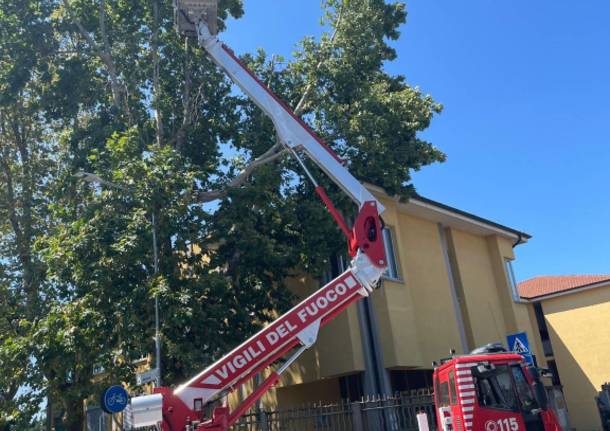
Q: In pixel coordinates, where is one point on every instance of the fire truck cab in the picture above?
(490, 390)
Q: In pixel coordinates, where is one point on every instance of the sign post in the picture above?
(519, 343)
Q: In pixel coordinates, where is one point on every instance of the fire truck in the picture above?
(197, 405)
(491, 390)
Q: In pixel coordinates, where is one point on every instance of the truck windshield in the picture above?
(504, 388)
(496, 389)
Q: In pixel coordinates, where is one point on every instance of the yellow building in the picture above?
(449, 286)
(573, 318)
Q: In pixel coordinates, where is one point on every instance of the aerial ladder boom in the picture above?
(291, 334)
(291, 130)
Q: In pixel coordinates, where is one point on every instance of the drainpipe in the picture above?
(378, 377)
(519, 240)
(370, 384)
(518, 299)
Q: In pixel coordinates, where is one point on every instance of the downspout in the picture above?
(519, 239)
(518, 299)
(376, 379)
(370, 383)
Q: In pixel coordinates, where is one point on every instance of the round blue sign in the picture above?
(114, 399)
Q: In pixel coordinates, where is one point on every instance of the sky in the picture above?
(526, 122)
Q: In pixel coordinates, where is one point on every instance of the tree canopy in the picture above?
(108, 87)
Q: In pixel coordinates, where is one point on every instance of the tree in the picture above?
(122, 95)
(24, 169)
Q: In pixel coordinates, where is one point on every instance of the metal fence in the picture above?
(372, 413)
(391, 413)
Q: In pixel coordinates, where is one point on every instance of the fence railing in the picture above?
(373, 413)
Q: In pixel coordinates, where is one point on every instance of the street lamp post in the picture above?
(93, 178)
(156, 271)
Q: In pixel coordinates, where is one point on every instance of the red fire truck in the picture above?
(491, 390)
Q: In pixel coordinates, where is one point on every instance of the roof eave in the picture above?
(569, 291)
(428, 208)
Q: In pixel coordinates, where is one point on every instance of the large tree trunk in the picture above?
(49, 419)
(74, 416)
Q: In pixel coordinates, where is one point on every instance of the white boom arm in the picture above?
(293, 132)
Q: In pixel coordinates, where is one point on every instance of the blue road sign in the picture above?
(519, 343)
(114, 399)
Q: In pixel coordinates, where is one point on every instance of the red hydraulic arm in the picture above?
(291, 334)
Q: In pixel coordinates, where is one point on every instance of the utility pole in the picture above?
(156, 271)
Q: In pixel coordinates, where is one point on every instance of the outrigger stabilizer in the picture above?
(291, 334)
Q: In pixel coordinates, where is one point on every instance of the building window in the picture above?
(351, 387)
(339, 263)
(453, 389)
(336, 266)
(444, 394)
(512, 281)
(390, 252)
(554, 371)
(543, 330)
(410, 380)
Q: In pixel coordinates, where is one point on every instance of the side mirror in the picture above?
(534, 372)
(485, 368)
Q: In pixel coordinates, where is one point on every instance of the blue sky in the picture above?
(526, 124)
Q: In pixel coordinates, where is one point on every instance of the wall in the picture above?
(579, 330)
(489, 310)
(418, 312)
(338, 350)
(326, 390)
(483, 308)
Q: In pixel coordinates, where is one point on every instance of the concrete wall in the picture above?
(489, 310)
(338, 350)
(487, 323)
(416, 315)
(326, 390)
(579, 330)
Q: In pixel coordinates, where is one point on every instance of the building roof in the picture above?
(520, 235)
(547, 285)
(426, 208)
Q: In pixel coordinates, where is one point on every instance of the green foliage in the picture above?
(107, 86)
(372, 118)
(20, 390)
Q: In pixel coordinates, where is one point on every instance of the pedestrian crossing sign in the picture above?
(519, 343)
(519, 347)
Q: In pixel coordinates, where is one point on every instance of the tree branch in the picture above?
(10, 194)
(187, 103)
(268, 157)
(301, 105)
(156, 84)
(20, 223)
(104, 53)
